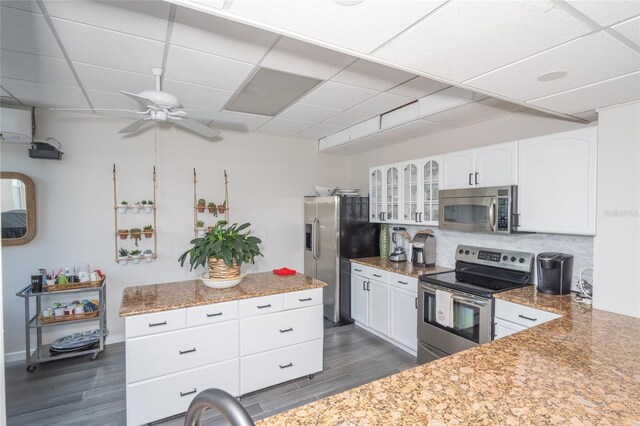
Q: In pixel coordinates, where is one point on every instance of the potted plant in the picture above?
(201, 205)
(148, 231)
(200, 228)
(123, 233)
(147, 205)
(123, 256)
(223, 250)
(136, 208)
(122, 207)
(212, 208)
(136, 234)
(209, 228)
(222, 207)
(135, 256)
(148, 256)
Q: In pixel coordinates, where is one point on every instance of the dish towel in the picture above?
(444, 308)
(284, 271)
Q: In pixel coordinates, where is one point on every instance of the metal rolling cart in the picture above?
(42, 354)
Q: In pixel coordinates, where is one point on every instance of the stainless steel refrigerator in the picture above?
(337, 229)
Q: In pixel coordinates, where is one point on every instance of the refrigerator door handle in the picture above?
(314, 239)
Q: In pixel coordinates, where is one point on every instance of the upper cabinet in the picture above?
(384, 194)
(557, 183)
(376, 194)
(494, 165)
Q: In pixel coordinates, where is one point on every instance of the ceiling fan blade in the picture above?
(192, 125)
(135, 125)
(145, 102)
(196, 114)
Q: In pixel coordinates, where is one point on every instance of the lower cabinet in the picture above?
(379, 306)
(359, 299)
(404, 325)
(510, 318)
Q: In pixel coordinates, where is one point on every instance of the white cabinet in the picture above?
(376, 194)
(430, 176)
(419, 181)
(404, 311)
(509, 318)
(502, 328)
(494, 165)
(379, 306)
(359, 299)
(557, 176)
(384, 192)
(411, 183)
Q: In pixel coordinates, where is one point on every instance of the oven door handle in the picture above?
(457, 297)
(492, 215)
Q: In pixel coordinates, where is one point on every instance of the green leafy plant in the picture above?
(148, 231)
(147, 252)
(143, 202)
(224, 242)
(150, 202)
(123, 202)
(136, 234)
(123, 252)
(213, 209)
(135, 252)
(199, 224)
(201, 205)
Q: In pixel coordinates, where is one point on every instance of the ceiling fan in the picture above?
(156, 105)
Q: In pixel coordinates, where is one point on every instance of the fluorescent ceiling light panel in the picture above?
(269, 91)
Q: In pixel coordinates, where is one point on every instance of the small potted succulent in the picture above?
(200, 228)
(148, 231)
(148, 256)
(213, 208)
(136, 208)
(123, 256)
(147, 205)
(136, 234)
(222, 207)
(123, 233)
(122, 207)
(201, 205)
(135, 256)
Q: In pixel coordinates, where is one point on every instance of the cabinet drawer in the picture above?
(278, 366)
(281, 329)
(159, 322)
(358, 269)
(404, 282)
(261, 305)
(209, 314)
(378, 275)
(504, 328)
(301, 299)
(153, 356)
(166, 396)
(522, 315)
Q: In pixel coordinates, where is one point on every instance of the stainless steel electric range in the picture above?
(479, 274)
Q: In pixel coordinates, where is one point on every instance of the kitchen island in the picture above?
(580, 369)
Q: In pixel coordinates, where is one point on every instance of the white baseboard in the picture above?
(20, 355)
(387, 338)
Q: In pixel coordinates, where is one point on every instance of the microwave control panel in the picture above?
(503, 214)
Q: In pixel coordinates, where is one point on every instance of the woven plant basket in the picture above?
(219, 270)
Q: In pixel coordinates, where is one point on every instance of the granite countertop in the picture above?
(146, 299)
(580, 369)
(404, 268)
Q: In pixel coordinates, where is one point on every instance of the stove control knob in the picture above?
(513, 259)
(505, 258)
(460, 251)
(521, 260)
(466, 252)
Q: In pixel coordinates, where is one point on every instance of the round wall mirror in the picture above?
(18, 208)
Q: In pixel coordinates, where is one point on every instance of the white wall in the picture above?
(617, 245)
(268, 176)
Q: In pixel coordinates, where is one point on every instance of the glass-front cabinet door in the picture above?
(376, 194)
(431, 170)
(411, 187)
(392, 193)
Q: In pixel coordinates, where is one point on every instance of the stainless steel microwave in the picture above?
(492, 210)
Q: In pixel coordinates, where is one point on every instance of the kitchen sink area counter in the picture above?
(402, 268)
(581, 368)
(151, 298)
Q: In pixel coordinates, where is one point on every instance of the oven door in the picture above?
(471, 320)
(469, 214)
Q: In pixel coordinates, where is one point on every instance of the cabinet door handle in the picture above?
(419, 220)
(477, 177)
(264, 306)
(528, 318)
(470, 175)
(357, 270)
(364, 285)
(286, 330)
(188, 351)
(189, 393)
(217, 314)
(308, 299)
(157, 324)
(368, 287)
(286, 365)
(377, 276)
(403, 282)
(416, 303)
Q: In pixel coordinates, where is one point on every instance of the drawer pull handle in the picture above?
(287, 366)
(357, 270)
(264, 306)
(377, 276)
(308, 299)
(217, 314)
(403, 282)
(188, 351)
(157, 324)
(528, 318)
(286, 330)
(188, 393)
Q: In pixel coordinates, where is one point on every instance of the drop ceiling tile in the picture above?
(308, 113)
(45, 95)
(42, 69)
(113, 80)
(466, 115)
(306, 59)
(503, 105)
(26, 5)
(189, 66)
(97, 46)
(382, 139)
(519, 81)
(469, 38)
(27, 32)
(339, 96)
(195, 94)
(418, 87)
(611, 92)
(217, 36)
(382, 103)
(419, 128)
(282, 127)
(141, 18)
(319, 131)
(361, 27)
(630, 29)
(250, 122)
(100, 99)
(607, 13)
(349, 118)
(372, 76)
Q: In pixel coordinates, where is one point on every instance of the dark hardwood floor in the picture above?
(79, 391)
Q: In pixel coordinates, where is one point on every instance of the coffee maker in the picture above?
(424, 250)
(398, 254)
(555, 271)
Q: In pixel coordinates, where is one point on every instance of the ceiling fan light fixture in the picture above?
(551, 76)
